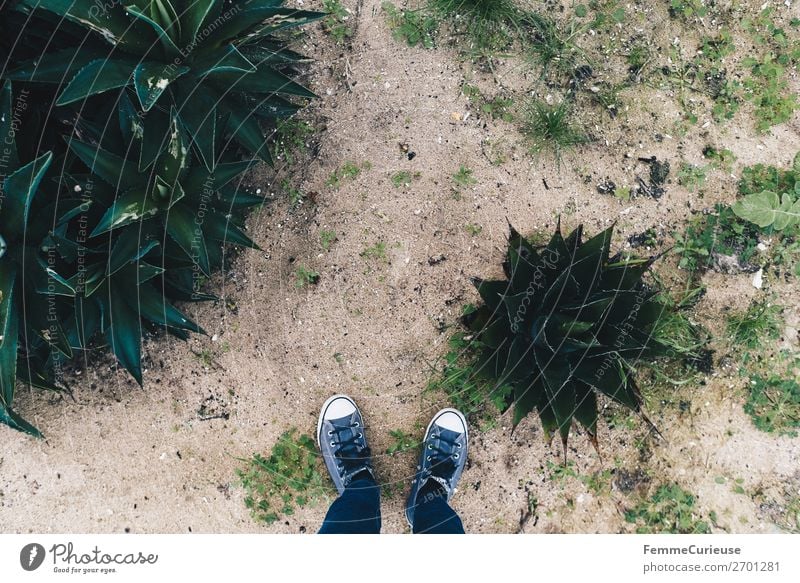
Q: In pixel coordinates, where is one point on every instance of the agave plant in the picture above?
(29, 286)
(217, 63)
(566, 325)
(148, 237)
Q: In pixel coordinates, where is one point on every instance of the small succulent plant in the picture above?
(566, 324)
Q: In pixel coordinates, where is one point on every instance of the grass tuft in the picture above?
(551, 128)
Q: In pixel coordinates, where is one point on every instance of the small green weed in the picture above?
(403, 178)
(464, 177)
(495, 108)
(773, 403)
(691, 176)
(376, 252)
(305, 276)
(720, 232)
(336, 23)
(720, 159)
(552, 49)
(327, 238)
(560, 472)
(291, 139)
(473, 230)
(760, 322)
(671, 509)
(349, 171)
(402, 441)
(490, 26)
(676, 329)
(415, 27)
(687, 9)
(769, 91)
(550, 127)
(296, 196)
(290, 477)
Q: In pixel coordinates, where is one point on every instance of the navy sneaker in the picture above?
(340, 435)
(444, 456)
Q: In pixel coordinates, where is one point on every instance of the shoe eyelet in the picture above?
(430, 446)
(356, 424)
(428, 458)
(360, 435)
(330, 432)
(455, 456)
(459, 445)
(333, 443)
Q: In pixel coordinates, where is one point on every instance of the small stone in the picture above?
(758, 279)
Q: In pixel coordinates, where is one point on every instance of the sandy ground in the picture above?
(121, 459)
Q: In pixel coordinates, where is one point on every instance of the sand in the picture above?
(119, 458)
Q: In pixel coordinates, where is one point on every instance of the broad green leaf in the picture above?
(57, 67)
(155, 137)
(264, 80)
(260, 21)
(163, 12)
(193, 17)
(231, 198)
(98, 76)
(51, 283)
(19, 189)
(559, 390)
(13, 420)
(152, 78)
(270, 53)
(132, 205)
(787, 214)
(131, 245)
(491, 291)
(171, 51)
(526, 397)
(221, 228)
(116, 171)
(186, 228)
(87, 320)
(247, 131)
(110, 23)
(9, 332)
(197, 109)
(228, 60)
(586, 409)
(153, 307)
(7, 141)
(176, 158)
(124, 332)
(767, 209)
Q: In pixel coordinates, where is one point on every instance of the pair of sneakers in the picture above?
(343, 443)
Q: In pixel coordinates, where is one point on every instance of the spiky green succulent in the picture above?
(217, 63)
(148, 237)
(29, 284)
(566, 325)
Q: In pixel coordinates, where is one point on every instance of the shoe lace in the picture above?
(351, 455)
(443, 460)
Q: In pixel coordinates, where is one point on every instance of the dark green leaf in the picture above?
(97, 77)
(18, 191)
(152, 78)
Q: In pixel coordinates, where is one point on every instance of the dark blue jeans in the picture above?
(358, 511)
